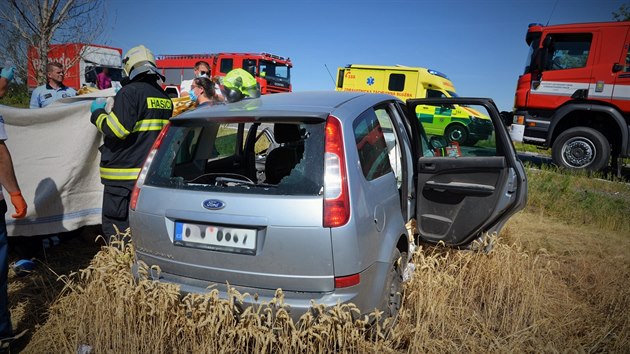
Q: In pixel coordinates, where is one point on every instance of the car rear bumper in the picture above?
(365, 295)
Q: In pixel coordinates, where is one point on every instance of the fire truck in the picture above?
(272, 72)
(574, 95)
(81, 62)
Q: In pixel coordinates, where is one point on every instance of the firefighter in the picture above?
(141, 109)
(238, 84)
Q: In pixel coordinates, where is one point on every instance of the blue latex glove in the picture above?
(98, 103)
(8, 73)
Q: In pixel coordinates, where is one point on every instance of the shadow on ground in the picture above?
(31, 295)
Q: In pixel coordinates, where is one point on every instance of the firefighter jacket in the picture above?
(141, 109)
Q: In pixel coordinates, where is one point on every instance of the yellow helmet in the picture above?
(137, 60)
(238, 84)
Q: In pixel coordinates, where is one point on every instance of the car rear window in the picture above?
(281, 158)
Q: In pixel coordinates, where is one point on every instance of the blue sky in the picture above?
(479, 44)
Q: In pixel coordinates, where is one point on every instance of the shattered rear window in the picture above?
(247, 157)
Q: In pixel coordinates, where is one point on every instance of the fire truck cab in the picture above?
(574, 95)
(272, 72)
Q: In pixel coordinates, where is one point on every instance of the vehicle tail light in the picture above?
(336, 198)
(145, 167)
(350, 280)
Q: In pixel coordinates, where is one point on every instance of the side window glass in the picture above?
(627, 68)
(396, 82)
(188, 74)
(226, 65)
(457, 131)
(568, 51)
(188, 146)
(226, 142)
(435, 94)
(371, 145)
(173, 76)
(250, 66)
(391, 140)
(262, 144)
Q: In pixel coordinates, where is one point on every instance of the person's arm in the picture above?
(9, 182)
(35, 99)
(119, 123)
(7, 175)
(6, 75)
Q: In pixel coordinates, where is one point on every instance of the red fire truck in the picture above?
(574, 96)
(272, 72)
(81, 62)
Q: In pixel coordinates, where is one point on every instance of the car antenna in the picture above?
(552, 10)
(331, 77)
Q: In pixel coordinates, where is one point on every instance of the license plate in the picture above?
(217, 238)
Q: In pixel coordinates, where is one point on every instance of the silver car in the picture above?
(310, 192)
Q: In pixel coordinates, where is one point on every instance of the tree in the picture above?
(38, 23)
(623, 14)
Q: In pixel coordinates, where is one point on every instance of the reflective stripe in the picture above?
(99, 121)
(149, 124)
(114, 124)
(159, 103)
(119, 173)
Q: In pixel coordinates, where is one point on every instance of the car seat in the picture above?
(283, 159)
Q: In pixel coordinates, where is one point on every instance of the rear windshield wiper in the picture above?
(233, 182)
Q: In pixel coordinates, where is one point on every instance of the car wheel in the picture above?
(581, 148)
(457, 133)
(394, 284)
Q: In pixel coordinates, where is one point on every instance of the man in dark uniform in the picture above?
(141, 108)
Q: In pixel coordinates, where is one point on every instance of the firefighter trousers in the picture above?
(115, 210)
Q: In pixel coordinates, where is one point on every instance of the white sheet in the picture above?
(56, 159)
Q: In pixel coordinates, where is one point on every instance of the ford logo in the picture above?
(213, 204)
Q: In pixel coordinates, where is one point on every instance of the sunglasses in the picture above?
(203, 72)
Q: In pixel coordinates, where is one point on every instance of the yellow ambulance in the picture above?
(460, 124)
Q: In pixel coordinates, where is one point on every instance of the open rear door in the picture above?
(467, 188)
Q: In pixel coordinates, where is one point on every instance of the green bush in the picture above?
(17, 96)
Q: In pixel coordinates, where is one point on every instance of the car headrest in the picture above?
(284, 133)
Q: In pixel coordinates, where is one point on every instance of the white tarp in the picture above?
(56, 159)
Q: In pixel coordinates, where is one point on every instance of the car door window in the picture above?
(371, 145)
(391, 140)
(459, 130)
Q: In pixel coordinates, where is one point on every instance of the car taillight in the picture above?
(145, 167)
(350, 280)
(336, 198)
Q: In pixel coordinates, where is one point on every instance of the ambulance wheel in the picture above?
(457, 133)
(581, 148)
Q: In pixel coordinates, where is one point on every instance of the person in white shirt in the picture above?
(202, 69)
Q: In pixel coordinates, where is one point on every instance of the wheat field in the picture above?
(557, 280)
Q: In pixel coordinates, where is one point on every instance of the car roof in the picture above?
(317, 105)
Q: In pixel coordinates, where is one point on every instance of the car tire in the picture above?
(457, 133)
(581, 148)
(394, 285)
